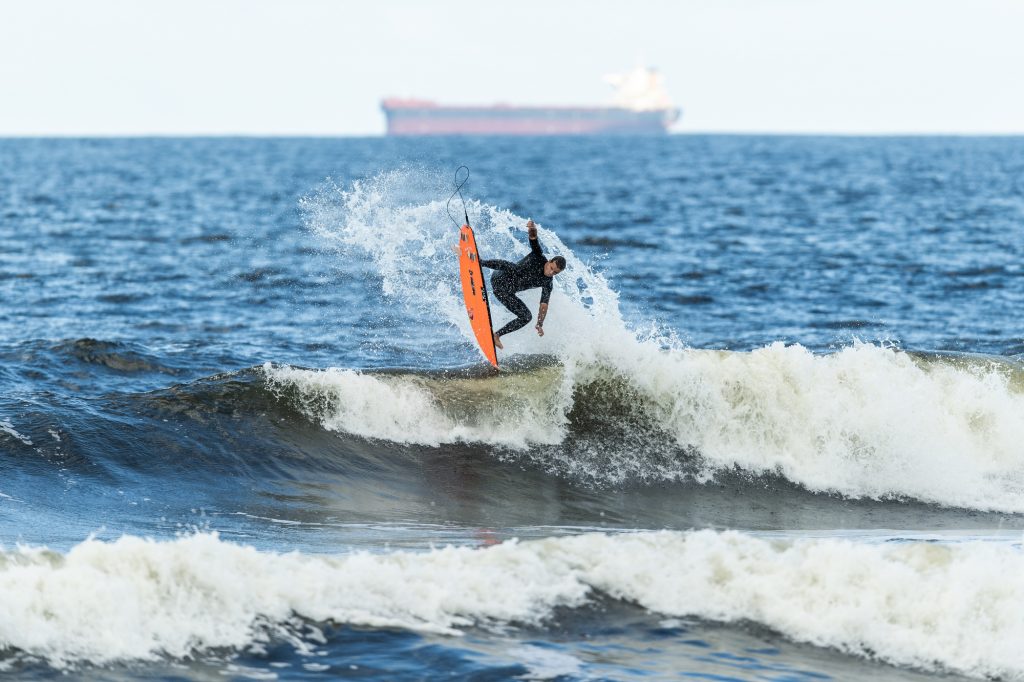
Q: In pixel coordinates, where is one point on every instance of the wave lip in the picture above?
(514, 410)
(938, 607)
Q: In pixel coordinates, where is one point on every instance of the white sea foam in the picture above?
(866, 421)
(416, 410)
(545, 664)
(7, 427)
(922, 604)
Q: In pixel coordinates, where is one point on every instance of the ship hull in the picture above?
(437, 120)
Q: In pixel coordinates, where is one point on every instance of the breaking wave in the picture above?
(931, 606)
(608, 402)
(864, 422)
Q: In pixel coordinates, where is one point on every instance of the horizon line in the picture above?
(382, 135)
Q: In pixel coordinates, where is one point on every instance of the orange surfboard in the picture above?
(474, 291)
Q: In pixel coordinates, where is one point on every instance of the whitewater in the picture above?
(938, 607)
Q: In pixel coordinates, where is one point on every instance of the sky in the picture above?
(321, 67)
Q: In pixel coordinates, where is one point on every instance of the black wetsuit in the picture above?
(511, 278)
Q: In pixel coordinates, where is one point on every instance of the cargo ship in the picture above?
(640, 106)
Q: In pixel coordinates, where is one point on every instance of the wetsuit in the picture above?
(511, 278)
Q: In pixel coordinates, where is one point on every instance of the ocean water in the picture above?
(774, 430)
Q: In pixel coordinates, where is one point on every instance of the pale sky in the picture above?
(308, 67)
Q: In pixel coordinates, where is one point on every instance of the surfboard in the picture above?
(474, 291)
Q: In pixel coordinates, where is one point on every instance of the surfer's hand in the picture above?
(531, 229)
(455, 249)
(540, 330)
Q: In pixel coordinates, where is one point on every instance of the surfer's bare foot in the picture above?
(455, 249)
(497, 342)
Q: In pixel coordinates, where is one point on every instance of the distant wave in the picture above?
(932, 606)
(118, 356)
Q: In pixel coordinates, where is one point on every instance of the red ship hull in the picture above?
(413, 117)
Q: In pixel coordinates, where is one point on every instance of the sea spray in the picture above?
(396, 224)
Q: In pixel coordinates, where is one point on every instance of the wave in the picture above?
(932, 606)
(617, 402)
(114, 355)
(865, 421)
(751, 440)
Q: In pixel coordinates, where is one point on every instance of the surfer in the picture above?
(509, 278)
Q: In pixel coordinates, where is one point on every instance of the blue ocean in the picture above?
(774, 429)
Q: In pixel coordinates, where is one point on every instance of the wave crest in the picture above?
(937, 607)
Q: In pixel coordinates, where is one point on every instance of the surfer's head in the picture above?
(554, 266)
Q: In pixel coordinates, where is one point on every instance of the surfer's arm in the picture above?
(545, 296)
(531, 230)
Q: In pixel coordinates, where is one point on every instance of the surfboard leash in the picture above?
(458, 190)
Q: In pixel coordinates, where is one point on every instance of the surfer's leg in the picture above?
(517, 308)
(497, 264)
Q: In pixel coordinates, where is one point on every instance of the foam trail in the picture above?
(932, 606)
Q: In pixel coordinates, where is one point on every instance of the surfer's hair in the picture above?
(559, 261)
